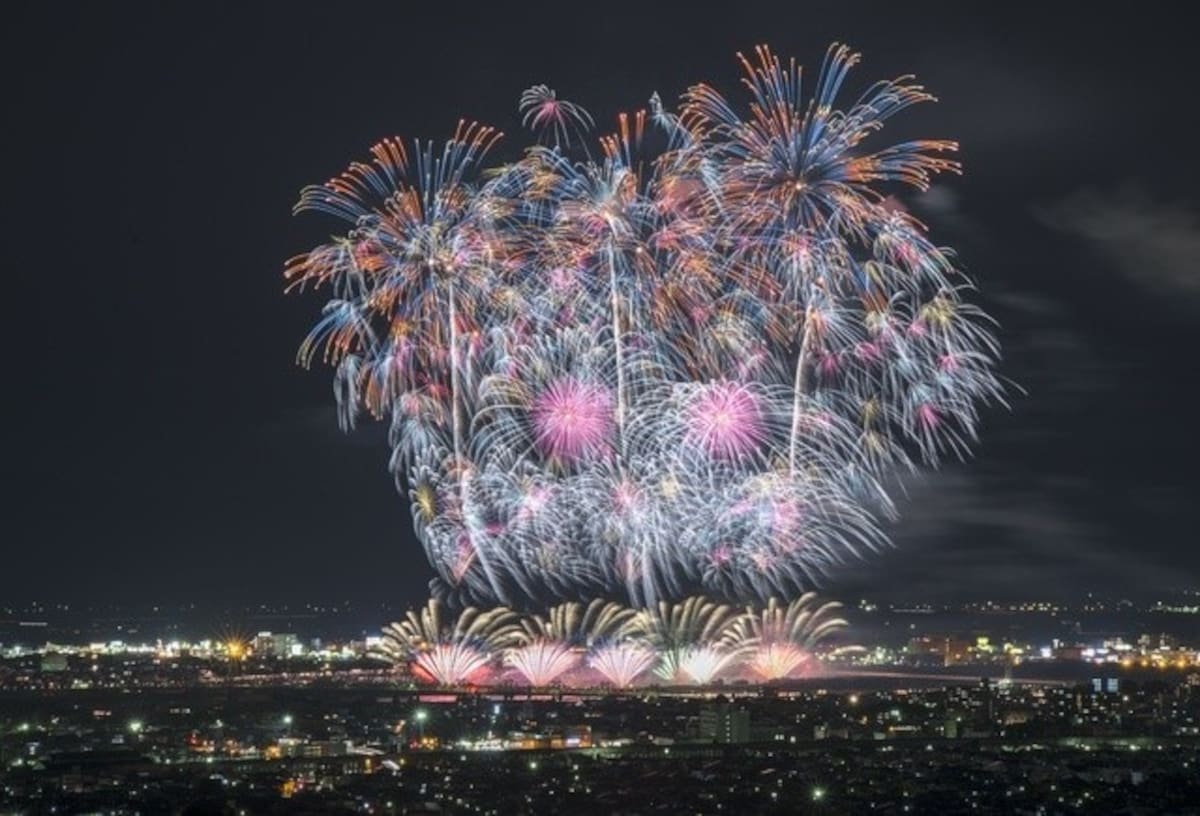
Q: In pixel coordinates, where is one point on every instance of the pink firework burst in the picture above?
(451, 664)
(725, 419)
(928, 416)
(556, 120)
(573, 420)
(542, 661)
(721, 556)
(622, 663)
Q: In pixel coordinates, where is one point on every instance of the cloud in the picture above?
(1155, 244)
(1007, 506)
(998, 533)
(942, 208)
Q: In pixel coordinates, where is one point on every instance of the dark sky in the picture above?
(162, 444)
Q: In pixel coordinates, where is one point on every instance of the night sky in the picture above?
(162, 444)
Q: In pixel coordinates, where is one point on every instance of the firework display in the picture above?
(450, 654)
(779, 639)
(696, 641)
(686, 358)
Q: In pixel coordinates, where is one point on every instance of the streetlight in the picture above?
(421, 716)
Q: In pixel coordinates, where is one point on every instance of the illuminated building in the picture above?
(725, 724)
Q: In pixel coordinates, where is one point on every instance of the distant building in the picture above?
(290, 747)
(725, 724)
(279, 645)
(1071, 652)
(326, 748)
(988, 694)
(577, 736)
(939, 650)
(54, 662)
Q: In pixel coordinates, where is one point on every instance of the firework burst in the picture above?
(689, 355)
(701, 665)
(541, 662)
(448, 653)
(556, 120)
(683, 634)
(621, 664)
(775, 661)
(780, 639)
(696, 642)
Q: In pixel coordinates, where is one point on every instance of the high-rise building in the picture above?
(725, 724)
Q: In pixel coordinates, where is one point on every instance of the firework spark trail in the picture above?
(579, 625)
(689, 358)
(541, 662)
(774, 661)
(621, 664)
(684, 635)
(450, 653)
(452, 664)
(702, 664)
(779, 638)
(557, 119)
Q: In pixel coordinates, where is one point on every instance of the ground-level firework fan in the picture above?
(688, 357)
(696, 641)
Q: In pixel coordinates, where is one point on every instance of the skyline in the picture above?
(198, 450)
